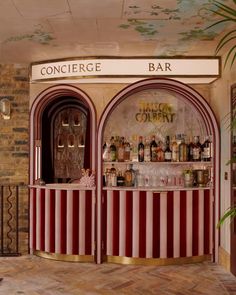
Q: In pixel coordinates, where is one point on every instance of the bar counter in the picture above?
(62, 221)
(163, 225)
(147, 225)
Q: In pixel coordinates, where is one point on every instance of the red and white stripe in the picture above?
(62, 221)
(157, 224)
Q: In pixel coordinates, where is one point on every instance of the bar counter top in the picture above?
(155, 188)
(63, 186)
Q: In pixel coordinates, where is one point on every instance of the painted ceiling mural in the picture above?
(182, 22)
(32, 29)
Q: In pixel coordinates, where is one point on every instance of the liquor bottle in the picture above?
(127, 150)
(140, 149)
(206, 149)
(160, 152)
(175, 150)
(197, 148)
(183, 151)
(121, 150)
(167, 152)
(120, 179)
(112, 150)
(134, 149)
(129, 176)
(153, 149)
(190, 149)
(117, 143)
(108, 177)
(147, 155)
(113, 176)
(106, 152)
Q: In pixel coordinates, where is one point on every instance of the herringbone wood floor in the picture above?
(32, 275)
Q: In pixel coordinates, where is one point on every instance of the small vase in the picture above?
(188, 180)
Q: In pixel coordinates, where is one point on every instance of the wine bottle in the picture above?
(206, 150)
(140, 149)
(196, 149)
(175, 150)
(127, 150)
(112, 150)
(121, 150)
(167, 152)
(153, 149)
(147, 156)
(190, 149)
(160, 152)
(183, 151)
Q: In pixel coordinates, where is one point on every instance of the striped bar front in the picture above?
(62, 221)
(147, 224)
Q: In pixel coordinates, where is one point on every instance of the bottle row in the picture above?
(178, 149)
(172, 178)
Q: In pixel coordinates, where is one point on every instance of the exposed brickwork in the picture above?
(14, 138)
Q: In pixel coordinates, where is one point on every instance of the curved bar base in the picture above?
(65, 257)
(156, 261)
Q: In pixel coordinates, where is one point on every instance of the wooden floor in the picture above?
(32, 275)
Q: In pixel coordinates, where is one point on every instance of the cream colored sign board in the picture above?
(125, 67)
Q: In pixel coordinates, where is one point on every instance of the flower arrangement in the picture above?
(88, 178)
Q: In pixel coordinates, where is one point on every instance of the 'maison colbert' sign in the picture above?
(125, 67)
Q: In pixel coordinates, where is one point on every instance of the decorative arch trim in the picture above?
(204, 109)
(39, 104)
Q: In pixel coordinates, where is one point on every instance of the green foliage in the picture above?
(229, 213)
(38, 36)
(228, 14)
(144, 28)
(197, 35)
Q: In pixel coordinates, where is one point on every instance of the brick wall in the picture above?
(14, 141)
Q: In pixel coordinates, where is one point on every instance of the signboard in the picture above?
(126, 67)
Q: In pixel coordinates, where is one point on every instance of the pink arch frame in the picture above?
(37, 108)
(201, 106)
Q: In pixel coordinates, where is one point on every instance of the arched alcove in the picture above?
(62, 134)
(199, 106)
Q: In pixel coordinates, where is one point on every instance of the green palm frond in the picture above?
(231, 161)
(224, 41)
(229, 15)
(233, 59)
(218, 22)
(229, 213)
(225, 8)
(228, 55)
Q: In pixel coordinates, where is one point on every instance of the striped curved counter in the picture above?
(62, 221)
(150, 226)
